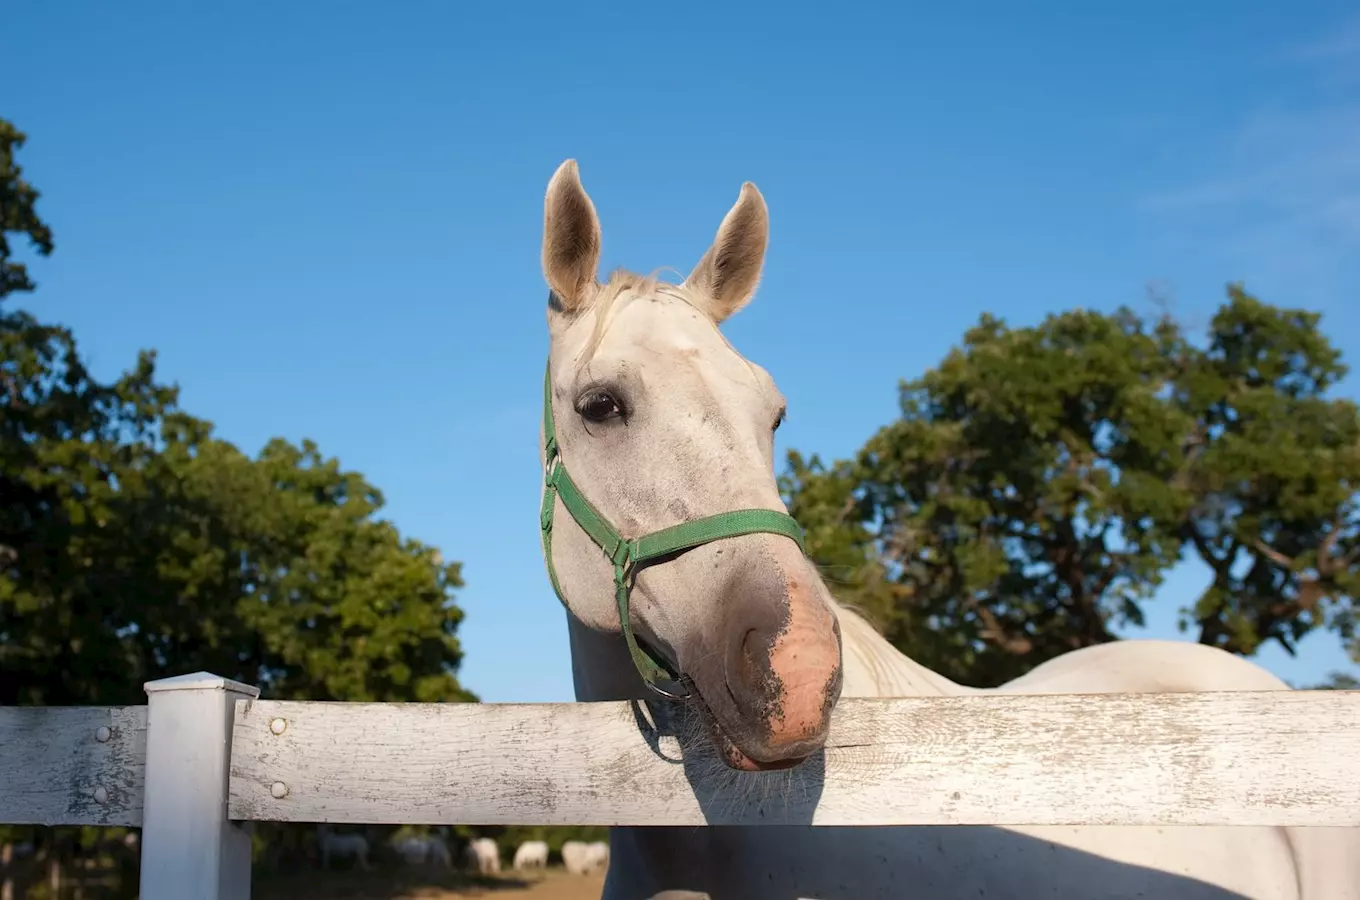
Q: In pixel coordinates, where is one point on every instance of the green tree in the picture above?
(18, 213)
(1040, 481)
(828, 501)
(134, 544)
(1273, 463)
(1339, 681)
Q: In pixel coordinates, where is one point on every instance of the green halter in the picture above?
(626, 554)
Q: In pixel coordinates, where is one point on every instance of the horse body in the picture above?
(661, 421)
(581, 858)
(483, 856)
(530, 855)
(949, 862)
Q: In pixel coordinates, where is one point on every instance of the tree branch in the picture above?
(846, 510)
(993, 631)
(1275, 556)
(1192, 449)
(1206, 552)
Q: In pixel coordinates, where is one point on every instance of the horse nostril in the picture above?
(746, 640)
(753, 671)
(782, 664)
(749, 647)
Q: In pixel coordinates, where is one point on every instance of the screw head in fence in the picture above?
(278, 790)
(102, 734)
(101, 794)
(278, 725)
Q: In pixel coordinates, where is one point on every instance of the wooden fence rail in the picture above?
(1270, 758)
(72, 765)
(206, 755)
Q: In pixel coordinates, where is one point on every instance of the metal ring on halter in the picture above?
(656, 686)
(661, 662)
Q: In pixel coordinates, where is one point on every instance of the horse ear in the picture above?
(728, 273)
(571, 240)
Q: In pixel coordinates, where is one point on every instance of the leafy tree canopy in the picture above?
(18, 216)
(135, 545)
(1040, 482)
(1339, 681)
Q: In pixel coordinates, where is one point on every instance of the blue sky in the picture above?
(326, 217)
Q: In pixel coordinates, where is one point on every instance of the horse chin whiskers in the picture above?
(703, 742)
(731, 788)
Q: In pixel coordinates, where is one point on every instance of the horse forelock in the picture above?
(624, 285)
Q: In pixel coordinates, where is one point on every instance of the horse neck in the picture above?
(601, 668)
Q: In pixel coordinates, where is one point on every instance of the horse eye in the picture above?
(779, 420)
(599, 406)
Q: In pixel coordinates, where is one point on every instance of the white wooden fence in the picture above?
(205, 757)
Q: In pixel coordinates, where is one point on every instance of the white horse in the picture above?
(580, 858)
(660, 421)
(597, 856)
(574, 857)
(531, 855)
(333, 844)
(484, 856)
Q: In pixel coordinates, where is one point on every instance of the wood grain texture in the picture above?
(1267, 758)
(52, 765)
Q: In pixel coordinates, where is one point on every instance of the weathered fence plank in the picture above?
(1261, 758)
(72, 765)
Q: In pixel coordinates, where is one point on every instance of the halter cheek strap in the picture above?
(626, 554)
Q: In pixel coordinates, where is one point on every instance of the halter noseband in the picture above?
(626, 554)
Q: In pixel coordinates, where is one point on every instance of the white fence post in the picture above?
(190, 849)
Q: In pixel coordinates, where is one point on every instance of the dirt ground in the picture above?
(555, 884)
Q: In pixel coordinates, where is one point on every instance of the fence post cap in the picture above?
(200, 681)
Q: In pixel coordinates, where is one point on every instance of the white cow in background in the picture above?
(484, 857)
(332, 844)
(531, 855)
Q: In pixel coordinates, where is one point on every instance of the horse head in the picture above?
(662, 519)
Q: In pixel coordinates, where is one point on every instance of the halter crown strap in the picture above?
(626, 554)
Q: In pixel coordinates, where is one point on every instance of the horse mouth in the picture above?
(732, 755)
